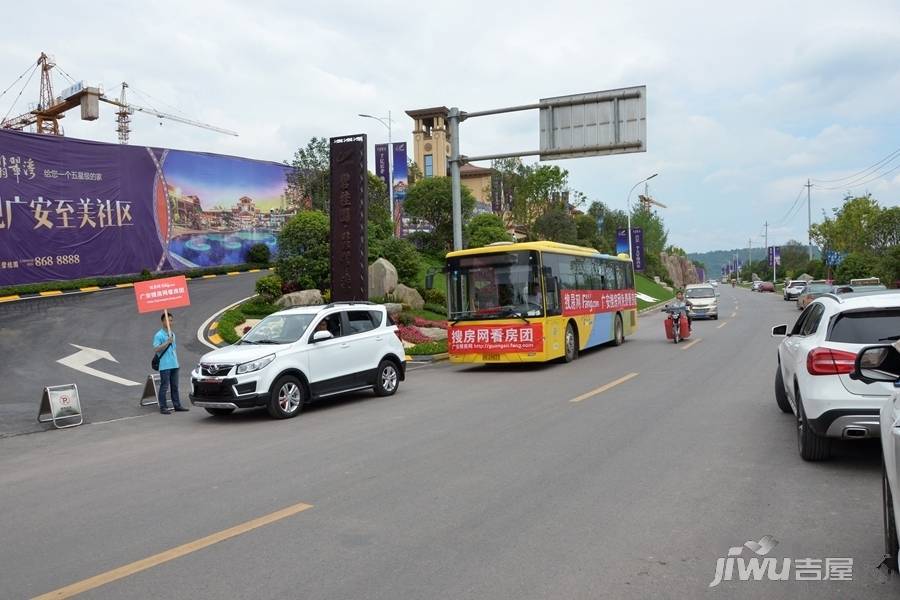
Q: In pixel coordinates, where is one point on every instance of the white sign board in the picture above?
(594, 124)
(61, 403)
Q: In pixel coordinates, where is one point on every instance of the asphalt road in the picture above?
(35, 333)
(481, 483)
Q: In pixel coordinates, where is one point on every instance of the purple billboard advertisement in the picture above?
(71, 209)
(382, 165)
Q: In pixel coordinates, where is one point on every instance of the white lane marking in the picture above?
(206, 323)
(119, 419)
(691, 344)
(603, 388)
(81, 359)
(721, 325)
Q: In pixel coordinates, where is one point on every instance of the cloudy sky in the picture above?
(745, 100)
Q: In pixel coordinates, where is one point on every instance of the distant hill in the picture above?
(715, 260)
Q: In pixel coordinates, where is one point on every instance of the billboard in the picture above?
(401, 183)
(621, 241)
(774, 256)
(72, 209)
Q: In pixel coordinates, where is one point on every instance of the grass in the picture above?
(440, 281)
(436, 347)
(427, 314)
(649, 287)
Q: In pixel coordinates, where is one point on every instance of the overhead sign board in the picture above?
(594, 124)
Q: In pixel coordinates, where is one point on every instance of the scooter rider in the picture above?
(682, 304)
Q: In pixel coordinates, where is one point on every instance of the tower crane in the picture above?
(123, 116)
(45, 116)
(647, 201)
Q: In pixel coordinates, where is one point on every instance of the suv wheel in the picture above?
(287, 398)
(780, 395)
(812, 446)
(891, 545)
(387, 378)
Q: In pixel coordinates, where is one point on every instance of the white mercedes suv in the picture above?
(295, 356)
(815, 362)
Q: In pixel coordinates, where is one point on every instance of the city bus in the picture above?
(536, 301)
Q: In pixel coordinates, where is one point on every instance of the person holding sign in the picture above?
(166, 349)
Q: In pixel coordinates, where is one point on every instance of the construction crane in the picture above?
(647, 201)
(49, 110)
(123, 116)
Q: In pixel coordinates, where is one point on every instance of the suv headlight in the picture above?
(256, 365)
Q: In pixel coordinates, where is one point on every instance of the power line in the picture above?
(874, 177)
(887, 158)
(791, 209)
(24, 73)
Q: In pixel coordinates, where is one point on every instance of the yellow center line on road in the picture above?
(171, 554)
(721, 325)
(603, 388)
(697, 341)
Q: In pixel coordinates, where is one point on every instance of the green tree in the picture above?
(303, 251)
(380, 227)
(485, 229)
(430, 199)
(587, 231)
(405, 259)
(541, 189)
(311, 175)
(608, 221)
(856, 265)
(557, 226)
(655, 238)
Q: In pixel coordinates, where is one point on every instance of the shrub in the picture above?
(404, 257)
(258, 308)
(404, 318)
(434, 347)
(434, 296)
(259, 254)
(269, 288)
(303, 255)
(435, 308)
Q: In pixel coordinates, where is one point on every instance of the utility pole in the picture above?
(750, 258)
(809, 217)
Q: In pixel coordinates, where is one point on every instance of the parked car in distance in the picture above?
(881, 364)
(766, 286)
(713, 282)
(793, 288)
(703, 301)
(297, 355)
(816, 359)
(754, 287)
(812, 291)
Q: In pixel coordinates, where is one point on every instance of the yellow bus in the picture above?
(536, 301)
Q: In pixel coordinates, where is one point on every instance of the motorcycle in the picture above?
(676, 323)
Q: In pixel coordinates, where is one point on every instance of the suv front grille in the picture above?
(215, 370)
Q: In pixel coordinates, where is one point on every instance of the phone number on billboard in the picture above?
(63, 259)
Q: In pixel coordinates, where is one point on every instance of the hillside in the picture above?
(650, 288)
(715, 260)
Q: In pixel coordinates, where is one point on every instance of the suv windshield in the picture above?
(494, 286)
(700, 293)
(278, 329)
(866, 327)
(797, 284)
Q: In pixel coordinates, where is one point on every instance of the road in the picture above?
(481, 483)
(37, 333)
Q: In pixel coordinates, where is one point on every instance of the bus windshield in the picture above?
(494, 286)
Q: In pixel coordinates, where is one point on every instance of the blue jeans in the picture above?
(167, 378)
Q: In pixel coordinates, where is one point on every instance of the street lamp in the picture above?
(390, 161)
(628, 207)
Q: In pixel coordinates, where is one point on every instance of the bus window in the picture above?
(620, 275)
(609, 270)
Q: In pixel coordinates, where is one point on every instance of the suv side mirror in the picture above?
(321, 336)
(877, 363)
(779, 331)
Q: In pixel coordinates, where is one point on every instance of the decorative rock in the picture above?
(407, 295)
(302, 298)
(382, 278)
(435, 333)
(393, 308)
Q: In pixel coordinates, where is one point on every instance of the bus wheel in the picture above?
(571, 344)
(619, 339)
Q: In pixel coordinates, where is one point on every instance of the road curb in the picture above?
(94, 288)
(652, 308)
(208, 333)
(428, 358)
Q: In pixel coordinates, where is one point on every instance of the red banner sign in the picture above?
(160, 294)
(586, 302)
(466, 339)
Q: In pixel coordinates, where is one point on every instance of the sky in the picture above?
(745, 101)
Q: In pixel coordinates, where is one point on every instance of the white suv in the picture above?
(297, 355)
(816, 359)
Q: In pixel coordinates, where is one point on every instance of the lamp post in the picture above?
(390, 159)
(628, 210)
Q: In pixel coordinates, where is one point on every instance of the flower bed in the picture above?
(411, 334)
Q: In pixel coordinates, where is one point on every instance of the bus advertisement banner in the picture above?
(465, 339)
(586, 302)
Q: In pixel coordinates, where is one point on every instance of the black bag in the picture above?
(155, 362)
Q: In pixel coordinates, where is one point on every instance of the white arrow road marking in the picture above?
(85, 356)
